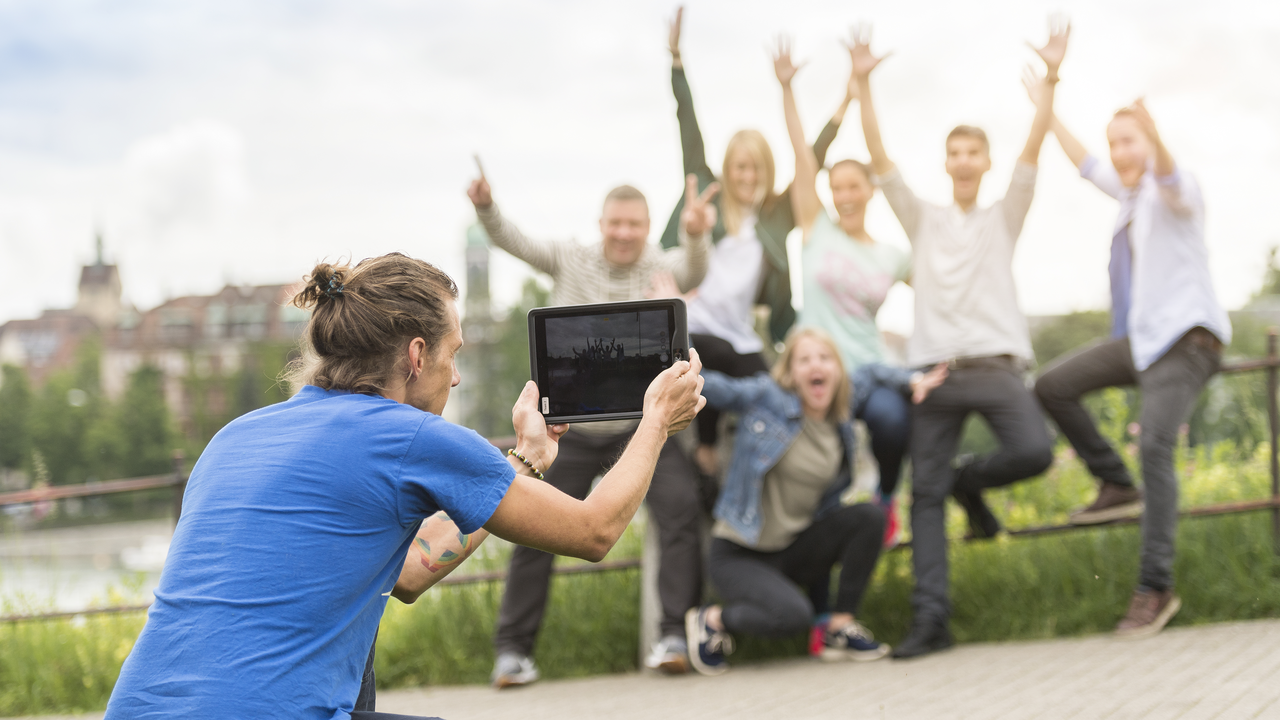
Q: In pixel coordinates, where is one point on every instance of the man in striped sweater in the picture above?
(622, 266)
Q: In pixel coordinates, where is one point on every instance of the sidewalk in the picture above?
(1231, 670)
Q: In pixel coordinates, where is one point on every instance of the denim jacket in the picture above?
(771, 419)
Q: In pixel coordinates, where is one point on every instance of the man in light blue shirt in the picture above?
(1167, 335)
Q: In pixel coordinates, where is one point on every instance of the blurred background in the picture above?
(169, 171)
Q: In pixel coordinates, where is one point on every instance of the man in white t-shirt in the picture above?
(967, 316)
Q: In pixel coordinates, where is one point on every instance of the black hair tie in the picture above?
(335, 288)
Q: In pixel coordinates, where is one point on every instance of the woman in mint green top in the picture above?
(847, 275)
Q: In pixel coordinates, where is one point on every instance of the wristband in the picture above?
(536, 472)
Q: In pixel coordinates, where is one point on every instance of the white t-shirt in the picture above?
(966, 301)
(722, 307)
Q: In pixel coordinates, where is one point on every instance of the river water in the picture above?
(67, 569)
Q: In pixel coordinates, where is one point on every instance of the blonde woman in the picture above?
(748, 263)
(780, 525)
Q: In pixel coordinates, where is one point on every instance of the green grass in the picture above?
(1049, 586)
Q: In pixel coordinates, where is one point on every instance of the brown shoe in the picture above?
(1114, 503)
(1149, 611)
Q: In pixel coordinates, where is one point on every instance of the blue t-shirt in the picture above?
(295, 523)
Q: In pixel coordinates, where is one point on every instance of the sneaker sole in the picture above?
(671, 666)
(932, 650)
(1119, 512)
(1155, 626)
(691, 638)
(838, 655)
(518, 680)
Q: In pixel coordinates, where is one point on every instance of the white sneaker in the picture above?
(669, 655)
(513, 670)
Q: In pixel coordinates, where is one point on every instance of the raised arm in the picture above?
(537, 515)
(437, 549)
(805, 204)
(688, 262)
(541, 254)
(1052, 54)
(863, 63)
(1178, 190)
(1075, 151)
(693, 151)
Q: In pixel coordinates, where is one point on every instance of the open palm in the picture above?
(783, 67)
(860, 56)
(1056, 49)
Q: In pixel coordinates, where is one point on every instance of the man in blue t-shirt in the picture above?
(298, 517)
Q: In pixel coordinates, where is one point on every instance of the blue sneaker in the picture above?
(707, 647)
(852, 642)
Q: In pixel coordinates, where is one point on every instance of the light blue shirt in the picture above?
(1171, 291)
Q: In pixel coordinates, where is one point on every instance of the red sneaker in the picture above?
(818, 635)
(892, 528)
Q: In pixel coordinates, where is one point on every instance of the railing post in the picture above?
(179, 459)
(1273, 425)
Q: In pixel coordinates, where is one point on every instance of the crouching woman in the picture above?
(780, 526)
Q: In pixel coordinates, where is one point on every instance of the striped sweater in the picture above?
(582, 275)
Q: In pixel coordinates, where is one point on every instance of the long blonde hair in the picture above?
(754, 144)
(839, 410)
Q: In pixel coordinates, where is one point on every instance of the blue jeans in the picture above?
(887, 413)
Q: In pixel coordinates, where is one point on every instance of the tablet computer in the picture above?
(594, 362)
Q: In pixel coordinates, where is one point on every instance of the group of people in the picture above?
(779, 527)
(301, 519)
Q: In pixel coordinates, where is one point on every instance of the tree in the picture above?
(147, 437)
(15, 417)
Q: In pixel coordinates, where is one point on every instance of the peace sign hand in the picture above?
(699, 214)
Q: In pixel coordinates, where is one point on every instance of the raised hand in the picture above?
(699, 214)
(1145, 121)
(782, 65)
(673, 39)
(1054, 50)
(1033, 83)
(480, 194)
(859, 47)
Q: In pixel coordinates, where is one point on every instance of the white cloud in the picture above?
(190, 177)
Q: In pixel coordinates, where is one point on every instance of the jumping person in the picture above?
(966, 316)
(620, 267)
(847, 275)
(748, 264)
(780, 527)
(1167, 334)
(298, 517)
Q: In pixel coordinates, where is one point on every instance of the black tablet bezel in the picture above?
(677, 314)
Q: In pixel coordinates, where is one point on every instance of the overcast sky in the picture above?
(240, 142)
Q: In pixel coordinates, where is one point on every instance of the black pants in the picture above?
(673, 505)
(719, 355)
(1000, 396)
(1169, 390)
(762, 592)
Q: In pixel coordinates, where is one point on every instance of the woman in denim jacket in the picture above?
(780, 525)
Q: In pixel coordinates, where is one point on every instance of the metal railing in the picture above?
(178, 480)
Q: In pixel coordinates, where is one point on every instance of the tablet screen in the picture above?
(602, 363)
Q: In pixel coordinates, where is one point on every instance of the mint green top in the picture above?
(845, 283)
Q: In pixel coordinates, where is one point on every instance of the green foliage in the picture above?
(502, 366)
(15, 412)
(65, 409)
(1270, 278)
(1069, 332)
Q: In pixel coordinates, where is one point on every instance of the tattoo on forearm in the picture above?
(446, 557)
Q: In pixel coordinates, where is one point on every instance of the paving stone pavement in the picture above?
(1226, 671)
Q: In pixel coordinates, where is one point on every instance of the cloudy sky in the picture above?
(242, 141)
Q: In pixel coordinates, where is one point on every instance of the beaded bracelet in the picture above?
(536, 472)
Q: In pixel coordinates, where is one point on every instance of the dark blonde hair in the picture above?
(753, 142)
(362, 317)
(839, 410)
(849, 163)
